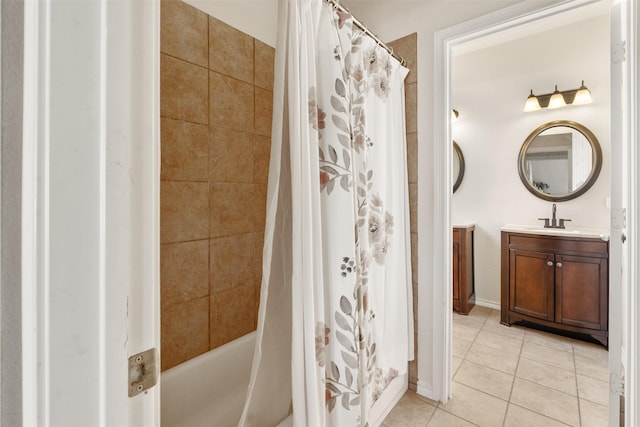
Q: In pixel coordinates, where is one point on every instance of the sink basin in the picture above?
(554, 230)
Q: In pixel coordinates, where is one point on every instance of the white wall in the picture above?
(489, 88)
(258, 18)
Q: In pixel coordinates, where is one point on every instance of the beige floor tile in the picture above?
(465, 332)
(472, 322)
(548, 340)
(494, 315)
(444, 419)
(593, 415)
(492, 358)
(543, 400)
(592, 368)
(460, 347)
(455, 364)
(558, 381)
(496, 327)
(485, 379)
(521, 417)
(411, 411)
(480, 312)
(596, 354)
(547, 375)
(550, 356)
(424, 399)
(593, 390)
(475, 406)
(594, 351)
(500, 342)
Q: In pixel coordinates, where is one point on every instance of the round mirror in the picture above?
(457, 172)
(560, 161)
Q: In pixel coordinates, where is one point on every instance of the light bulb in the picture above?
(532, 103)
(557, 100)
(583, 96)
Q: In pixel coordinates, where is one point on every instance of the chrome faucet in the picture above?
(555, 222)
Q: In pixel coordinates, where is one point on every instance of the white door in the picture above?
(619, 189)
(90, 203)
(623, 316)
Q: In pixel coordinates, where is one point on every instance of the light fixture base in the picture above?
(580, 96)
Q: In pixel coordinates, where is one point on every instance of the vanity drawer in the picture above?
(568, 245)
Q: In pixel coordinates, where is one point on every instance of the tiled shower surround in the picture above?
(216, 107)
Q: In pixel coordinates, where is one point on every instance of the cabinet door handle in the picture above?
(550, 263)
(559, 264)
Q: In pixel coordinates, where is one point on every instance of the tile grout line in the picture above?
(457, 416)
(515, 373)
(549, 388)
(575, 370)
(542, 415)
(464, 358)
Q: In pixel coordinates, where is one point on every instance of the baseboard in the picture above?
(486, 303)
(426, 390)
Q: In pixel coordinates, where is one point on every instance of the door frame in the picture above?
(90, 210)
(441, 319)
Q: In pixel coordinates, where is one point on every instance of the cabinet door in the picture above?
(531, 284)
(582, 291)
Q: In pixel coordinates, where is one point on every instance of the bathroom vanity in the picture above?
(556, 279)
(464, 296)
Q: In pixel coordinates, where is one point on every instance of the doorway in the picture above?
(446, 40)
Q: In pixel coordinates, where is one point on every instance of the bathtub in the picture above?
(209, 390)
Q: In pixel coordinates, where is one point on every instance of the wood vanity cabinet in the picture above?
(464, 297)
(559, 282)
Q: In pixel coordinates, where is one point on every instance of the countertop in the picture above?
(598, 233)
(464, 225)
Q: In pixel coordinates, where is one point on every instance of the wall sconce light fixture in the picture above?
(454, 116)
(558, 99)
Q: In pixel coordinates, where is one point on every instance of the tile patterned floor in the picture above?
(514, 376)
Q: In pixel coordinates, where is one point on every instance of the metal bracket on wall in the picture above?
(143, 371)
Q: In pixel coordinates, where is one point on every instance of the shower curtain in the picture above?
(335, 326)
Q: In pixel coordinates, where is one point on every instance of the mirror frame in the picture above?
(458, 152)
(595, 166)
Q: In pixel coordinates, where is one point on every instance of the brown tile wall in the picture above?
(407, 47)
(216, 107)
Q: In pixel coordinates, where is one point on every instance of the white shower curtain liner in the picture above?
(335, 326)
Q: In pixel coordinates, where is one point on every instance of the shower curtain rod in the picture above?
(336, 4)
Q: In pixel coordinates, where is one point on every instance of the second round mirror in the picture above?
(457, 172)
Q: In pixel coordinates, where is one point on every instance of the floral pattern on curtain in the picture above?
(346, 347)
(338, 170)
